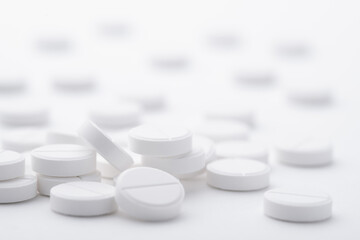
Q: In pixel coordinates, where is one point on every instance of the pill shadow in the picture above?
(175, 220)
(329, 220)
(194, 186)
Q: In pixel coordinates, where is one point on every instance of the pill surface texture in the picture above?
(18, 189)
(12, 165)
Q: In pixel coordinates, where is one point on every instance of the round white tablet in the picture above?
(23, 140)
(182, 166)
(164, 140)
(18, 189)
(223, 130)
(45, 183)
(303, 151)
(63, 160)
(116, 116)
(255, 73)
(56, 136)
(10, 84)
(106, 169)
(83, 198)
(113, 153)
(238, 174)
(297, 205)
(233, 113)
(12, 165)
(242, 149)
(309, 93)
(149, 194)
(148, 99)
(74, 82)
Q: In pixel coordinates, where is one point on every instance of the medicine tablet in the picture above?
(255, 73)
(297, 205)
(309, 93)
(23, 140)
(238, 174)
(83, 199)
(149, 194)
(242, 149)
(234, 113)
(221, 130)
(147, 98)
(18, 189)
(163, 141)
(74, 82)
(63, 160)
(106, 169)
(56, 136)
(113, 153)
(11, 84)
(303, 150)
(12, 165)
(45, 183)
(116, 116)
(182, 166)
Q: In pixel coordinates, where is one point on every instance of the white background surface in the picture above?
(330, 26)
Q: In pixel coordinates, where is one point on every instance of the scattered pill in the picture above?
(238, 174)
(242, 149)
(57, 136)
(149, 194)
(83, 198)
(303, 150)
(63, 160)
(223, 130)
(309, 93)
(164, 140)
(23, 140)
(45, 183)
(12, 165)
(235, 113)
(10, 84)
(112, 152)
(74, 82)
(106, 169)
(149, 99)
(297, 205)
(18, 189)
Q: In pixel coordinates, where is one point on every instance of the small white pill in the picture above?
(63, 160)
(221, 130)
(83, 198)
(170, 61)
(116, 116)
(23, 140)
(74, 82)
(182, 166)
(297, 205)
(11, 84)
(106, 169)
(242, 149)
(149, 194)
(255, 72)
(238, 174)
(236, 113)
(12, 165)
(147, 98)
(45, 183)
(164, 140)
(113, 153)
(303, 150)
(18, 189)
(309, 92)
(57, 136)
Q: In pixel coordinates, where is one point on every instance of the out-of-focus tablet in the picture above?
(297, 205)
(10, 84)
(238, 113)
(63, 160)
(242, 149)
(12, 165)
(170, 61)
(255, 73)
(57, 136)
(208, 146)
(303, 150)
(83, 198)
(23, 140)
(24, 112)
(221, 130)
(116, 116)
(164, 140)
(18, 189)
(238, 174)
(149, 194)
(148, 99)
(113, 153)
(181, 166)
(53, 43)
(309, 93)
(74, 82)
(45, 183)
(106, 169)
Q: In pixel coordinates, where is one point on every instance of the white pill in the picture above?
(18, 189)
(149, 194)
(170, 61)
(297, 205)
(74, 82)
(180, 166)
(238, 174)
(63, 160)
(303, 151)
(156, 140)
(11, 84)
(45, 183)
(309, 93)
(255, 72)
(24, 112)
(223, 130)
(208, 146)
(83, 198)
(106, 169)
(113, 153)
(242, 149)
(147, 98)
(12, 165)
(116, 116)
(23, 140)
(238, 113)
(57, 136)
